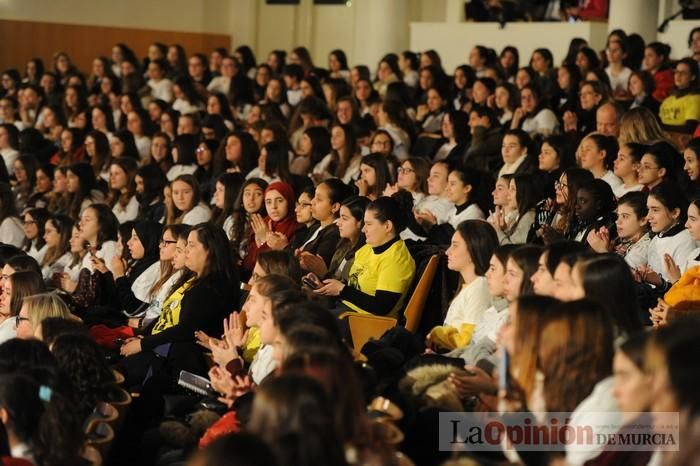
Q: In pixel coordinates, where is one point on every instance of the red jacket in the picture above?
(593, 9)
(664, 84)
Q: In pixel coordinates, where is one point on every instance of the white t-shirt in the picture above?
(620, 81)
(128, 212)
(177, 170)
(184, 107)
(106, 253)
(511, 168)
(491, 321)
(402, 142)
(544, 123)
(60, 265)
(621, 190)
(469, 304)
(612, 179)
(440, 207)
(162, 89)
(219, 84)
(9, 156)
(692, 260)
(293, 96)
(11, 231)
(637, 254)
(473, 212)
(679, 246)
(444, 151)
(599, 411)
(8, 331)
(257, 173)
(37, 254)
(200, 213)
(263, 364)
(143, 145)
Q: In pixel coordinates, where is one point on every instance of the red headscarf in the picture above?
(287, 226)
(288, 193)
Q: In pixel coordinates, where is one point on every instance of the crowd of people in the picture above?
(222, 215)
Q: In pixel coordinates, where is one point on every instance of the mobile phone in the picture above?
(486, 366)
(504, 382)
(312, 283)
(196, 383)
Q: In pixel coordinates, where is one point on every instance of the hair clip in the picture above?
(45, 393)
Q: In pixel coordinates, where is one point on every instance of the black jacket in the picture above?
(325, 243)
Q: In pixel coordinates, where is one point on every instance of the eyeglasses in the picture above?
(303, 205)
(28, 222)
(560, 185)
(404, 170)
(19, 319)
(167, 241)
(646, 167)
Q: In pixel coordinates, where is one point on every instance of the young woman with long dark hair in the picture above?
(200, 304)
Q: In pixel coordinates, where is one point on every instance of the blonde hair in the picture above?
(45, 305)
(641, 126)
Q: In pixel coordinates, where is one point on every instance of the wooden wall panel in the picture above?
(22, 40)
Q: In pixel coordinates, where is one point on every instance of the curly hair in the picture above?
(43, 418)
(84, 362)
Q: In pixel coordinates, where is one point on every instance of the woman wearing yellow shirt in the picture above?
(383, 267)
(681, 110)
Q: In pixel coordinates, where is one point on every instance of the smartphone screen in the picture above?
(504, 371)
(311, 283)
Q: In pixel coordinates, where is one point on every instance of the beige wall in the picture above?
(454, 40)
(364, 29)
(677, 37)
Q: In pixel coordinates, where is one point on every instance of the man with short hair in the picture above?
(607, 119)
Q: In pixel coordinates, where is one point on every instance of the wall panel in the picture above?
(22, 40)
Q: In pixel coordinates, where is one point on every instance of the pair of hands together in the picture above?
(264, 233)
(476, 382)
(223, 351)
